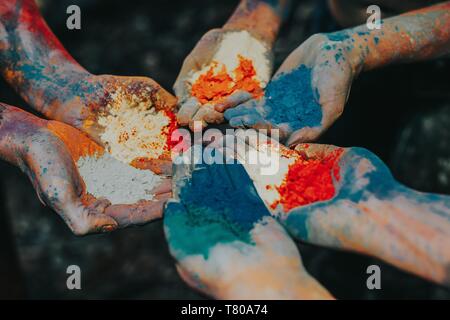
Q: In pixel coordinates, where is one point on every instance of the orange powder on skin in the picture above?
(78, 143)
(213, 88)
(309, 180)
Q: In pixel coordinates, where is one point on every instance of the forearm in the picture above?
(262, 18)
(32, 59)
(411, 231)
(414, 36)
(16, 126)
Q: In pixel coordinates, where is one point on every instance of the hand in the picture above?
(225, 241)
(346, 198)
(108, 108)
(306, 95)
(226, 68)
(49, 153)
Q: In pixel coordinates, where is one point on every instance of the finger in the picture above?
(241, 110)
(136, 214)
(164, 187)
(85, 220)
(211, 115)
(233, 100)
(187, 111)
(206, 114)
(99, 223)
(312, 150)
(250, 121)
(306, 134)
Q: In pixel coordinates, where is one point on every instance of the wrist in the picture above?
(262, 21)
(351, 46)
(16, 129)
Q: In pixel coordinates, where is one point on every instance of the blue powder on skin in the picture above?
(219, 205)
(338, 36)
(291, 99)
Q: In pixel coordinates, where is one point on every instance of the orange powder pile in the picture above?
(309, 180)
(213, 87)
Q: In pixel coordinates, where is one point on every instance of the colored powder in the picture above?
(214, 86)
(77, 143)
(120, 183)
(291, 99)
(207, 218)
(136, 130)
(338, 36)
(309, 180)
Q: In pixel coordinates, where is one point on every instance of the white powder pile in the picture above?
(240, 43)
(133, 129)
(120, 183)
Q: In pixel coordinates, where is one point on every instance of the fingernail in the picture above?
(108, 228)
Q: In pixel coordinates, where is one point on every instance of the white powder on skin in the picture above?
(116, 181)
(133, 129)
(240, 43)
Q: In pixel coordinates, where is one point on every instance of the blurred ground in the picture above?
(401, 113)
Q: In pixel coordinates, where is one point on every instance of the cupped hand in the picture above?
(225, 241)
(226, 68)
(307, 93)
(312, 176)
(47, 151)
(346, 198)
(132, 117)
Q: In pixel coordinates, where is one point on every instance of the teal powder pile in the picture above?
(213, 210)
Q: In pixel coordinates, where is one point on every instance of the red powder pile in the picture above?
(213, 87)
(309, 180)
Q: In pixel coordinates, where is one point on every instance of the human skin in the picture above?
(47, 151)
(318, 75)
(370, 212)
(262, 19)
(34, 62)
(227, 245)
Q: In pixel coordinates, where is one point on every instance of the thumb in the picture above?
(83, 220)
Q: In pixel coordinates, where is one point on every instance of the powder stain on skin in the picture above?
(78, 143)
(309, 180)
(120, 183)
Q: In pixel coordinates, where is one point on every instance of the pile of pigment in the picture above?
(238, 64)
(309, 180)
(134, 129)
(103, 175)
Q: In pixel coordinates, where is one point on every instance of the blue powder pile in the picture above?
(291, 99)
(218, 205)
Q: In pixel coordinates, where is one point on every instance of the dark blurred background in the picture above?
(402, 113)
